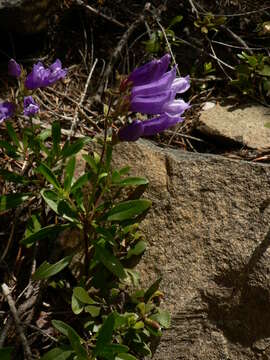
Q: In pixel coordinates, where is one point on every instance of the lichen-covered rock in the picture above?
(208, 238)
(26, 16)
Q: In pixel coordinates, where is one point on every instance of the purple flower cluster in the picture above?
(42, 77)
(39, 77)
(6, 110)
(153, 92)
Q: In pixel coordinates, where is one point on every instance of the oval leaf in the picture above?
(110, 262)
(128, 209)
(12, 200)
(47, 270)
(47, 231)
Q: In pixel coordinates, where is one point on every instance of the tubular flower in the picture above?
(30, 106)
(7, 110)
(42, 77)
(149, 72)
(14, 68)
(153, 92)
(149, 127)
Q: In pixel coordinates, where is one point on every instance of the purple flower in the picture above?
(6, 110)
(38, 77)
(14, 68)
(56, 72)
(151, 71)
(154, 92)
(176, 107)
(131, 132)
(30, 106)
(149, 127)
(158, 96)
(42, 77)
(152, 104)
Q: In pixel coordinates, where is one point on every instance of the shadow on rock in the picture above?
(239, 303)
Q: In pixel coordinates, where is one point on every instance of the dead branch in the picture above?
(99, 13)
(75, 120)
(11, 303)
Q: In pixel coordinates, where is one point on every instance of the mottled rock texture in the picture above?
(26, 16)
(208, 237)
(245, 125)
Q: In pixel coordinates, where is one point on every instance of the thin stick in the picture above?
(169, 45)
(75, 121)
(97, 12)
(115, 55)
(237, 38)
(11, 303)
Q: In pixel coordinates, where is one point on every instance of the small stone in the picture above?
(244, 125)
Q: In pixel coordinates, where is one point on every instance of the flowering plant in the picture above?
(39, 77)
(153, 91)
(103, 207)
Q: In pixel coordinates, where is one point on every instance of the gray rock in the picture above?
(26, 16)
(245, 125)
(207, 237)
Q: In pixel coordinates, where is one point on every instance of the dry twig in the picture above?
(11, 303)
(74, 123)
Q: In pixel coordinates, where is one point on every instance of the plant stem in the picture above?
(86, 246)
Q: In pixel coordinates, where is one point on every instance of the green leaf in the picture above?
(91, 162)
(12, 200)
(138, 249)
(64, 209)
(105, 334)
(153, 288)
(114, 349)
(10, 149)
(93, 310)
(12, 134)
(51, 198)
(110, 262)
(74, 148)
(44, 135)
(163, 318)
(83, 295)
(62, 327)
(70, 167)
(47, 270)
(125, 356)
(153, 45)
(131, 181)
(57, 354)
(75, 342)
(128, 209)
(33, 225)
(265, 70)
(6, 352)
(76, 305)
(56, 137)
(13, 177)
(44, 233)
(175, 20)
(80, 182)
(49, 175)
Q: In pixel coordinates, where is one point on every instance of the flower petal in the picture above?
(131, 132)
(30, 106)
(159, 124)
(155, 87)
(14, 68)
(151, 104)
(151, 71)
(176, 107)
(181, 84)
(7, 110)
